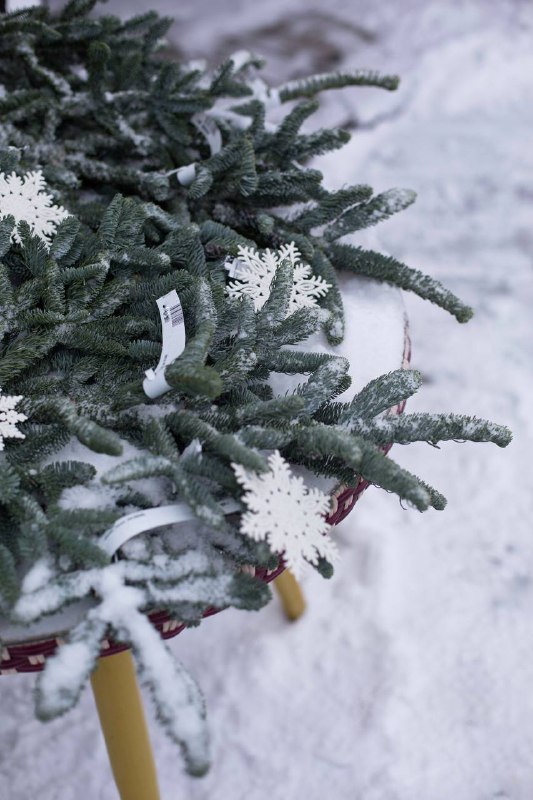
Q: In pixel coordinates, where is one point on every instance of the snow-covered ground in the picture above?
(409, 678)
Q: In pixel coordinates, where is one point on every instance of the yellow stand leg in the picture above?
(119, 703)
(290, 594)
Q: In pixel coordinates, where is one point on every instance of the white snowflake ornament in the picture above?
(285, 513)
(25, 199)
(254, 274)
(9, 418)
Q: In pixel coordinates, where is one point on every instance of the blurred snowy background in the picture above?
(410, 676)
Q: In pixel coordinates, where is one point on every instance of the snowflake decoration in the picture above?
(25, 199)
(285, 513)
(254, 274)
(9, 418)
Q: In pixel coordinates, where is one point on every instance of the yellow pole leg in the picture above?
(290, 594)
(120, 708)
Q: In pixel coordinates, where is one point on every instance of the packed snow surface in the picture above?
(410, 674)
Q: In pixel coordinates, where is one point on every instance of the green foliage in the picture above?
(110, 122)
(336, 80)
(9, 585)
(81, 324)
(388, 269)
(100, 111)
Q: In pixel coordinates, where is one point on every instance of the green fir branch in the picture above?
(388, 269)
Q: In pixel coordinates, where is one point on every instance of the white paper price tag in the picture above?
(185, 175)
(131, 525)
(235, 268)
(173, 345)
(210, 130)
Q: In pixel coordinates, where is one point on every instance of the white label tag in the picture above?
(131, 525)
(173, 345)
(193, 449)
(236, 269)
(208, 128)
(185, 175)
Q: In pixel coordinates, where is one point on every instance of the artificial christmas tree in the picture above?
(164, 249)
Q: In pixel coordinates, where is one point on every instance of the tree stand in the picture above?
(290, 594)
(120, 709)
